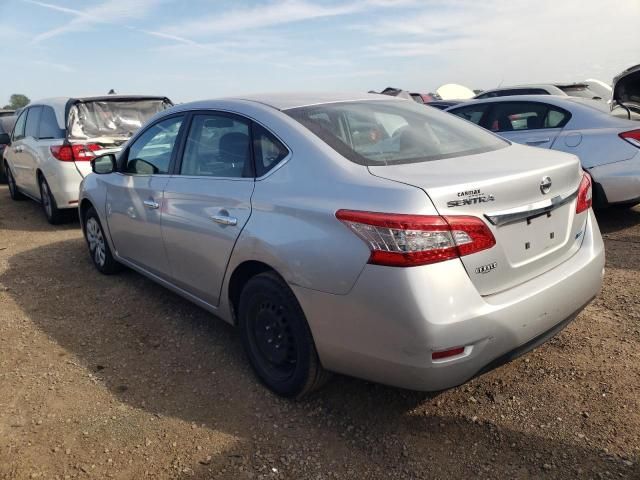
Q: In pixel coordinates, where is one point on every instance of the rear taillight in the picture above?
(398, 240)
(632, 136)
(585, 194)
(77, 152)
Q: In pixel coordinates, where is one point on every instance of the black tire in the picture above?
(49, 206)
(3, 176)
(14, 193)
(98, 245)
(277, 339)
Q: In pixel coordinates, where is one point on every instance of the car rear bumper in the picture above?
(64, 182)
(620, 180)
(387, 327)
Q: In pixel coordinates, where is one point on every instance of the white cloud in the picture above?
(111, 11)
(484, 43)
(275, 13)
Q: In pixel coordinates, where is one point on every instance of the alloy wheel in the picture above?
(11, 182)
(96, 241)
(46, 198)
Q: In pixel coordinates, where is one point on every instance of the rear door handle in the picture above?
(225, 220)
(152, 204)
(537, 141)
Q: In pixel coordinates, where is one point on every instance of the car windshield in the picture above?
(114, 119)
(393, 132)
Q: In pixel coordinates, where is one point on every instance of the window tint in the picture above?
(217, 146)
(33, 120)
(18, 130)
(513, 116)
(393, 132)
(268, 150)
(151, 152)
(472, 113)
(49, 125)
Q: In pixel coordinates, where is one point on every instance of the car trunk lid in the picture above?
(101, 125)
(534, 231)
(626, 89)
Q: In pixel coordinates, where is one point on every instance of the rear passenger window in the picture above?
(218, 145)
(151, 152)
(268, 150)
(556, 118)
(18, 130)
(33, 121)
(472, 113)
(514, 116)
(49, 128)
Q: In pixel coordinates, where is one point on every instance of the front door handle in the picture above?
(225, 220)
(152, 204)
(537, 141)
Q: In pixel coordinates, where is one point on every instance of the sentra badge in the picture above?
(470, 197)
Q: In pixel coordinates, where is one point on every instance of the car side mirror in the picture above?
(104, 164)
(5, 139)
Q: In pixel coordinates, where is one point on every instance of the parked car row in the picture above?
(53, 141)
(365, 235)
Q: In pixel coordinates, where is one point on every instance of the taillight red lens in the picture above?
(62, 152)
(585, 195)
(632, 136)
(77, 152)
(398, 240)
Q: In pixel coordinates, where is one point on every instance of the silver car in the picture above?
(356, 234)
(608, 146)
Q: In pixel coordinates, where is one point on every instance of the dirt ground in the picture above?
(116, 377)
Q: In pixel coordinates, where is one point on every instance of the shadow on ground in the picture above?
(27, 215)
(157, 352)
(614, 219)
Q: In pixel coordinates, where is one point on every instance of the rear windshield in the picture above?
(581, 91)
(394, 132)
(114, 120)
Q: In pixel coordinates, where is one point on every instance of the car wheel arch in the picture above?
(242, 273)
(85, 205)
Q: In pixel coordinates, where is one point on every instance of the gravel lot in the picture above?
(116, 377)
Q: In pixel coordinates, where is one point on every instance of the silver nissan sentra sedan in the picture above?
(357, 234)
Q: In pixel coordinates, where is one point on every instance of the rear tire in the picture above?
(14, 193)
(98, 246)
(51, 211)
(277, 339)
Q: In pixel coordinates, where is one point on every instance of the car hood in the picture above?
(626, 88)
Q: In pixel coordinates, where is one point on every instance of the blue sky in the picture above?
(191, 49)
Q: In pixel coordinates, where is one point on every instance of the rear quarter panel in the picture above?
(293, 227)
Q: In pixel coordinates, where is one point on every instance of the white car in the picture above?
(53, 141)
(608, 146)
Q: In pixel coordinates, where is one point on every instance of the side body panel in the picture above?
(134, 219)
(198, 248)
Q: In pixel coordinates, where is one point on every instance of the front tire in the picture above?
(277, 339)
(98, 245)
(14, 193)
(51, 211)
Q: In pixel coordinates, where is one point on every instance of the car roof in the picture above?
(61, 102)
(285, 101)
